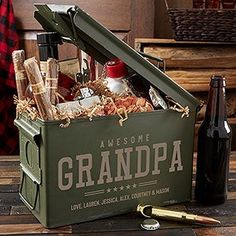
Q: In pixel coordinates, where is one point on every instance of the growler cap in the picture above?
(150, 224)
(49, 38)
(217, 81)
(116, 69)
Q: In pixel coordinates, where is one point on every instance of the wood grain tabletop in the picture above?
(16, 219)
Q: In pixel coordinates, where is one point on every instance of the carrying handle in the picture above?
(29, 205)
(76, 38)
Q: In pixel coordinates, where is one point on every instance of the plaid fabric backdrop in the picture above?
(8, 43)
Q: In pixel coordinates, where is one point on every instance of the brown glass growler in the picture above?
(214, 145)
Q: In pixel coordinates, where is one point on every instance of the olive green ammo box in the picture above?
(95, 169)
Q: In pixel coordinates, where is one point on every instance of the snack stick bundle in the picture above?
(51, 81)
(18, 57)
(38, 88)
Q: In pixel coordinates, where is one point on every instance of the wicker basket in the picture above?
(203, 24)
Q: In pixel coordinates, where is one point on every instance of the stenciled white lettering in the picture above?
(67, 176)
(141, 173)
(119, 141)
(116, 166)
(123, 165)
(84, 168)
(105, 169)
(158, 147)
(176, 157)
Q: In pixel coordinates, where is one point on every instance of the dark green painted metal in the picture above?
(100, 43)
(51, 157)
(55, 207)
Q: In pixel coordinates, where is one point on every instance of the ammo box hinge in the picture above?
(32, 133)
(30, 150)
(25, 172)
(30, 175)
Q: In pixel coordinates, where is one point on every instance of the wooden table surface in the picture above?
(15, 218)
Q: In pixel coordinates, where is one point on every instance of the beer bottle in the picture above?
(214, 144)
